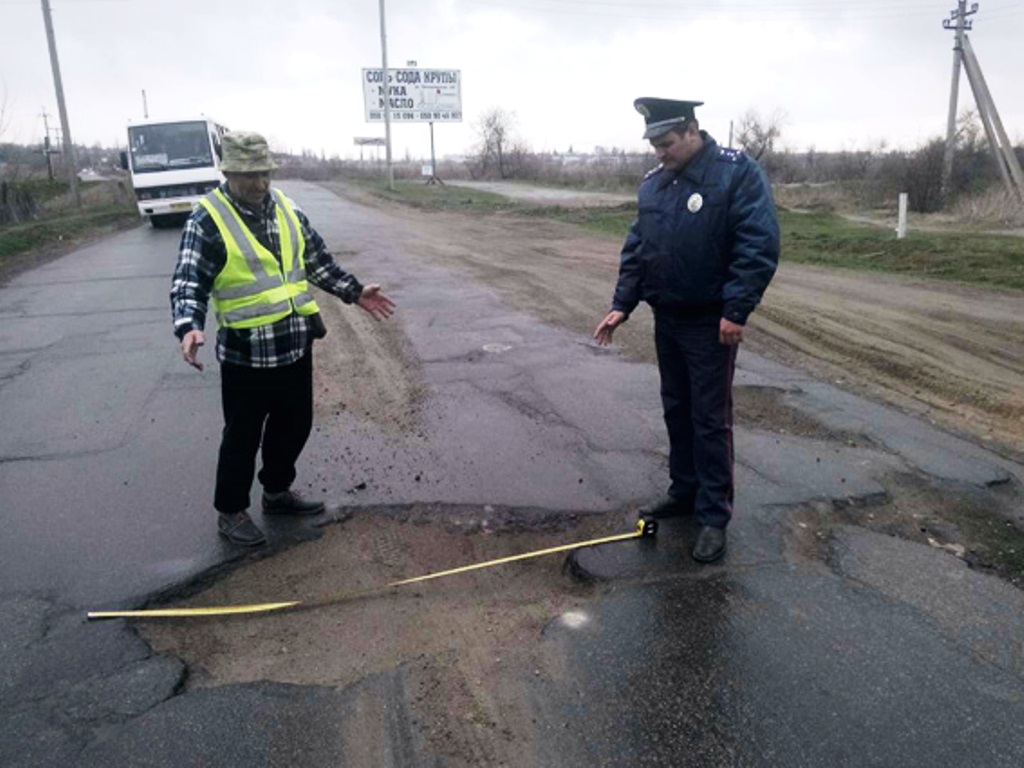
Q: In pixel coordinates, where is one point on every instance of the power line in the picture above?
(710, 7)
(814, 9)
(767, 6)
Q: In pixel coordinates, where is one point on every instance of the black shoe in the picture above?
(710, 544)
(291, 503)
(238, 528)
(666, 506)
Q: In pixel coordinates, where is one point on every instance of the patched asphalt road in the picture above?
(883, 652)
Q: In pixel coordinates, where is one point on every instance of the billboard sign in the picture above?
(416, 95)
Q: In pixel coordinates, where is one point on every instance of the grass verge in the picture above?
(980, 259)
(435, 197)
(59, 230)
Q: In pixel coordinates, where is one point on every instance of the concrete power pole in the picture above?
(960, 24)
(69, 151)
(1002, 151)
(998, 141)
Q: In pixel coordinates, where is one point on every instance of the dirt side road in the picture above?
(954, 354)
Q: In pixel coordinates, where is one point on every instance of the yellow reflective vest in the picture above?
(253, 288)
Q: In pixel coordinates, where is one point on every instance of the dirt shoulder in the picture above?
(952, 354)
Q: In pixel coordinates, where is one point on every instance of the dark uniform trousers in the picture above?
(274, 405)
(696, 394)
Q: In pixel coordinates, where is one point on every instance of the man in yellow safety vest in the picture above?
(251, 254)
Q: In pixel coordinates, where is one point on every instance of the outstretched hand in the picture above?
(605, 329)
(379, 306)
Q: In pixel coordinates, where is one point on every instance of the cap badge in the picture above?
(695, 202)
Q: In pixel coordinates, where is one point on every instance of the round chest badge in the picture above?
(695, 202)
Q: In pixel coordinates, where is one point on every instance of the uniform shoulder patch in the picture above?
(653, 172)
(729, 155)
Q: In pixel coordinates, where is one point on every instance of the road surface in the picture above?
(846, 625)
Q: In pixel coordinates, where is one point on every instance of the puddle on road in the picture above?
(496, 348)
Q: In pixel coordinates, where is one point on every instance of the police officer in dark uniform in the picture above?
(701, 253)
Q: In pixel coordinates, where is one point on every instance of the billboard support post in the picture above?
(434, 179)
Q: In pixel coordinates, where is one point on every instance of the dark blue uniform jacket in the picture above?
(705, 240)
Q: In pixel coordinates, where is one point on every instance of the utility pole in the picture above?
(145, 106)
(959, 17)
(1002, 151)
(69, 151)
(998, 141)
(387, 96)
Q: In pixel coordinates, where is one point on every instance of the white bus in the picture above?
(172, 164)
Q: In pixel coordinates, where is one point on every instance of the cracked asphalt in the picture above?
(812, 644)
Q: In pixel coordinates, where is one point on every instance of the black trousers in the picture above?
(696, 394)
(269, 405)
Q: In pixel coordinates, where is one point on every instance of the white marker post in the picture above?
(901, 225)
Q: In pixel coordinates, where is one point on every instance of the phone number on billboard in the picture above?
(398, 114)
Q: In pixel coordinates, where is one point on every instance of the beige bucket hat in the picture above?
(245, 153)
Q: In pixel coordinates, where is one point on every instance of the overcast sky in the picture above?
(844, 74)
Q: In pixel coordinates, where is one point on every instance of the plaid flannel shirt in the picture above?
(202, 255)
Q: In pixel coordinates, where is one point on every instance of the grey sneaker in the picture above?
(238, 528)
(291, 503)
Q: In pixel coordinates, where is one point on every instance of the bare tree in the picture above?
(973, 168)
(496, 141)
(969, 134)
(757, 136)
(922, 177)
(16, 204)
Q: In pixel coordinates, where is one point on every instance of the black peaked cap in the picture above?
(661, 114)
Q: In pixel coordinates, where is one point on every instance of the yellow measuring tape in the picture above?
(642, 528)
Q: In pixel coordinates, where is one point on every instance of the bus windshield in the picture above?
(169, 146)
